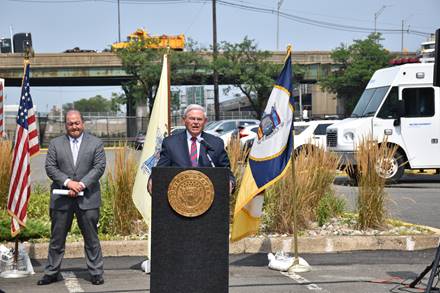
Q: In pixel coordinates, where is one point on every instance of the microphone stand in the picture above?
(207, 149)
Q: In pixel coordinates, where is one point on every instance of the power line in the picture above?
(243, 5)
(318, 23)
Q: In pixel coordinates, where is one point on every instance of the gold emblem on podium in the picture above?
(191, 193)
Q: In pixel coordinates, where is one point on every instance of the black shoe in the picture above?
(47, 279)
(97, 280)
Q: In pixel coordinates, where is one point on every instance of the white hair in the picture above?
(194, 107)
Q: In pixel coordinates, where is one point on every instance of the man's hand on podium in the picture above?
(231, 187)
(150, 186)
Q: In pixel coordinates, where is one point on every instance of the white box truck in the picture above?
(399, 102)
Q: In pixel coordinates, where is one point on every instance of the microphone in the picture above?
(208, 148)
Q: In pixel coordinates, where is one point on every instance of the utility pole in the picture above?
(280, 2)
(12, 38)
(401, 43)
(214, 59)
(119, 21)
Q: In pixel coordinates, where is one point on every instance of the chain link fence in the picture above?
(111, 128)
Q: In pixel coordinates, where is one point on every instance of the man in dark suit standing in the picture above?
(193, 147)
(74, 163)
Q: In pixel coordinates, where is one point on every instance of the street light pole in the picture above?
(280, 2)
(376, 15)
(214, 58)
(119, 21)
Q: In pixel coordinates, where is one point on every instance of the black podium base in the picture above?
(189, 255)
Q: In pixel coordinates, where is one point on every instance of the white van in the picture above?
(401, 103)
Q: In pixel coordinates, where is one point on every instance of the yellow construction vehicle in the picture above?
(155, 42)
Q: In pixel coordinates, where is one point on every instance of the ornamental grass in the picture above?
(371, 201)
(5, 171)
(237, 157)
(126, 217)
(315, 171)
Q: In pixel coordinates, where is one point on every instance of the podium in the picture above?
(190, 230)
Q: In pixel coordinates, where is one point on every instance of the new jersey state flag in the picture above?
(269, 156)
(157, 130)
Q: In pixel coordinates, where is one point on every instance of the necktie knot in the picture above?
(193, 139)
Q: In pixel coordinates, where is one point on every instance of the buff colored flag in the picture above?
(269, 157)
(157, 130)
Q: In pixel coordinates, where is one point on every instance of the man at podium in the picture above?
(194, 147)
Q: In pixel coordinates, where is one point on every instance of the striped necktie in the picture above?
(193, 152)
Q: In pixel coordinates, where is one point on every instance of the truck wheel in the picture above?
(353, 173)
(392, 169)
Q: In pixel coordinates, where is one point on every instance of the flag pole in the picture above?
(15, 272)
(169, 91)
(296, 266)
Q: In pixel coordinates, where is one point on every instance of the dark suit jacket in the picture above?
(175, 152)
(89, 168)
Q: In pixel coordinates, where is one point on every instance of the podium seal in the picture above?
(190, 193)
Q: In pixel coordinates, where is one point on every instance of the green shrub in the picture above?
(329, 206)
(106, 212)
(38, 207)
(35, 228)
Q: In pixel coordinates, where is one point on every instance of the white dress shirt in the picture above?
(78, 142)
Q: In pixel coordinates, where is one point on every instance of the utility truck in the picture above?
(400, 104)
(154, 42)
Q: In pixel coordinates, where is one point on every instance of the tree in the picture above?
(357, 63)
(246, 68)
(145, 65)
(95, 104)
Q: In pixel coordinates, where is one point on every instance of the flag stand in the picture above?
(15, 269)
(299, 265)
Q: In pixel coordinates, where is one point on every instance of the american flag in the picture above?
(26, 145)
(1, 108)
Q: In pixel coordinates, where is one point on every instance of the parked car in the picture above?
(223, 126)
(177, 129)
(306, 132)
(247, 134)
(311, 132)
(139, 140)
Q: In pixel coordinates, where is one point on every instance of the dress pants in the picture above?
(61, 224)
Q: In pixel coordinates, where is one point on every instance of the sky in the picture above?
(57, 25)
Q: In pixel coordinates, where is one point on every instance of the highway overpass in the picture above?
(105, 69)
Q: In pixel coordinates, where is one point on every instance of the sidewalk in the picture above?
(318, 244)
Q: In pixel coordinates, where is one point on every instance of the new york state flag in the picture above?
(269, 157)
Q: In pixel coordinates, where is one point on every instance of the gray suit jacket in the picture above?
(89, 168)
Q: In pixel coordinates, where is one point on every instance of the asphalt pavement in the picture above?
(349, 272)
(414, 199)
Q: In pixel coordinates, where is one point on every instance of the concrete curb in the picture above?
(318, 244)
